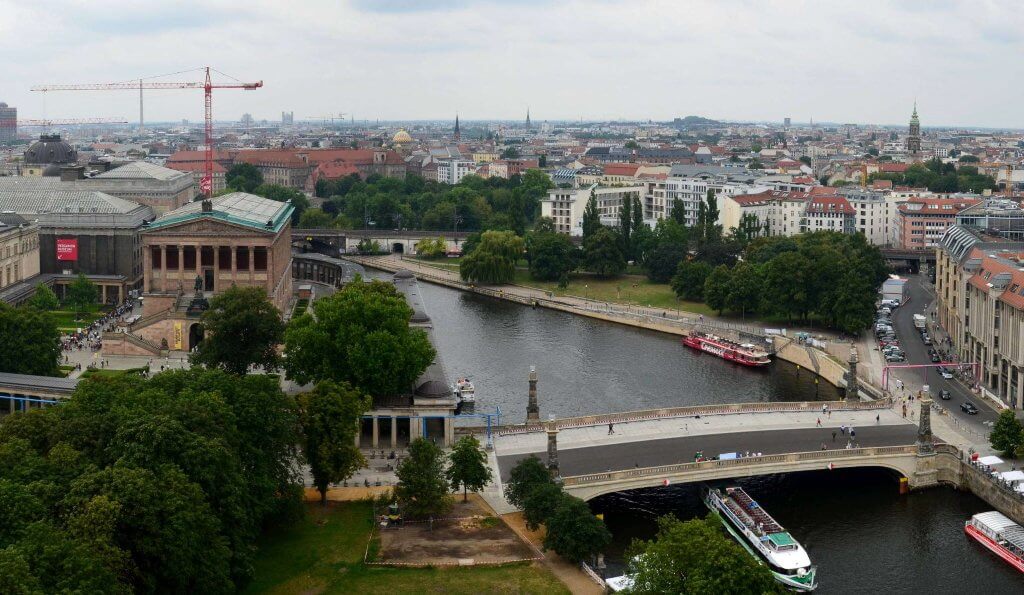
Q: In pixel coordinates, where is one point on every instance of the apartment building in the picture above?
(566, 205)
(921, 222)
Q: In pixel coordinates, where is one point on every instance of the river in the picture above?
(863, 535)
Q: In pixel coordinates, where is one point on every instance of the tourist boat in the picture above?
(464, 390)
(999, 534)
(745, 353)
(762, 537)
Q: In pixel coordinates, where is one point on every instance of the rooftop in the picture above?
(239, 208)
(30, 195)
(140, 170)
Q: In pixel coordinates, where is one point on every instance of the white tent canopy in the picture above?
(1013, 476)
(990, 460)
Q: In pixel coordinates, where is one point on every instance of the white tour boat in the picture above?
(464, 390)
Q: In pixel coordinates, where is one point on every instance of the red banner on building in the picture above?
(67, 249)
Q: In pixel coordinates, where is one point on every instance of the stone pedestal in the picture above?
(532, 409)
(852, 384)
(553, 449)
(925, 444)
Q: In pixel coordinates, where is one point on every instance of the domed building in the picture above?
(401, 140)
(48, 151)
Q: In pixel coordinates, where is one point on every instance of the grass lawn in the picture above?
(106, 373)
(323, 553)
(627, 289)
(66, 320)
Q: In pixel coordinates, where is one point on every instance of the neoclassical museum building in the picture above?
(197, 251)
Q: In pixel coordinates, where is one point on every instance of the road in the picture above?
(920, 301)
(669, 451)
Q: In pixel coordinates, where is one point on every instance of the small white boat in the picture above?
(464, 390)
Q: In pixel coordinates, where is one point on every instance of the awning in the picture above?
(990, 460)
(1013, 476)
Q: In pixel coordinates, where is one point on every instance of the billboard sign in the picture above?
(67, 249)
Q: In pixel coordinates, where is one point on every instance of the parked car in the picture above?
(946, 374)
(935, 358)
(944, 395)
(969, 408)
(891, 358)
(927, 340)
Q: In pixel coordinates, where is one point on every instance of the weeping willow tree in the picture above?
(494, 259)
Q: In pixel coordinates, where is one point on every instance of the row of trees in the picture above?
(1007, 435)
(940, 177)
(474, 204)
(826, 274)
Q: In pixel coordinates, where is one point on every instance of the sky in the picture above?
(742, 60)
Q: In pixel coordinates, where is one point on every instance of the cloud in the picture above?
(406, 59)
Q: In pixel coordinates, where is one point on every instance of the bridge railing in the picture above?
(672, 412)
(816, 455)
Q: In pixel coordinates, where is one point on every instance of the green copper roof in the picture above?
(240, 208)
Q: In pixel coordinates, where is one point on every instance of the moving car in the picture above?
(944, 395)
(946, 373)
(969, 408)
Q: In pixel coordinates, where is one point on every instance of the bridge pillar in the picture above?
(925, 445)
(852, 384)
(553, 449)
(532, 409)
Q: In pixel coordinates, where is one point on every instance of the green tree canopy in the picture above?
(315, 218)
(603, 253)
(688, 282)
(243, 177)
(696, 557)
(432, 247)
(44, 299)
(81, 293)
(1007, 434)
(31, 342)
(744, 290)
(284, 194)
(242, 329)
(524, 477)
(422, 489)
(467, 466)
(664, 260)
(716, 288)
(359, 335)
(493, 260)
(591, 217)
(574, 532)
(552, 255)
(330, 416)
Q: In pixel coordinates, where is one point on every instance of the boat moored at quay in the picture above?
(999, 534)
(746, 354)
(762, 537)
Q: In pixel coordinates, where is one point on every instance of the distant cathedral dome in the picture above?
(401, 137)
(50, 149)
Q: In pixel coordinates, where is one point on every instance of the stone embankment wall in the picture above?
(986, 488)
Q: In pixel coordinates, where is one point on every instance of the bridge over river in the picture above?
(649, 449)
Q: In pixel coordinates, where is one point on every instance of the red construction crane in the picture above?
(206, 185)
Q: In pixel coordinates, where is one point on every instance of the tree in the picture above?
(315, 218)
(422, 490)
(44, 299)
(664, 260)
(574, 532)
(31, 342)
(591, 217)
(468, 466)
(539, 503)
(242, 329)
(678, 213)
(432, 247)
(359, 335)
(806, 160)
(243, 177)
(695, 556)
(494, 258)
(636, 241)
(510, 153)
(1007, 433)
(524, 477)
(330, 416)
(603, 253)
(716, 288)
(744, 289)
(551, 255)
(631, 144)
(297, 198)
(81, 294)
(688, 282)
(625, 225)
(712, 230)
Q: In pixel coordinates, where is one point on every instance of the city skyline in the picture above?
(744, 61)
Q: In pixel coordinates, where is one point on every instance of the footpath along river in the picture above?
(864, 536)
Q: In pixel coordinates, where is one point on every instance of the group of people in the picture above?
(91, 336)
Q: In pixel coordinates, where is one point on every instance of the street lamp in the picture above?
(455, 228)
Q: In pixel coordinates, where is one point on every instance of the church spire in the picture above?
(458, 133)
(528, 117)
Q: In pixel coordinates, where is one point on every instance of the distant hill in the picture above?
(694, 122)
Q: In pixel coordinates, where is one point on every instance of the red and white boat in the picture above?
(741, 353)
(1000, 535)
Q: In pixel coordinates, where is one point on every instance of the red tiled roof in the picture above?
(200, 156)
(892, 168)
(937, 206)
(194, 166)
(621, 169)
(830, 204)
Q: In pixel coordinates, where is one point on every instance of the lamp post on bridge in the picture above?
(532, 408)
(925, 443)
(852, 384)
(552, 431)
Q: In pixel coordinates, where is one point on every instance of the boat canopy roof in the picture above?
(781, 539)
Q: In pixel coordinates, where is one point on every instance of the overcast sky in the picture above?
(844, 61)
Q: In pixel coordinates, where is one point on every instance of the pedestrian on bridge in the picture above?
(853, 433)
(819, 422)
(833, 435)
(611, 428)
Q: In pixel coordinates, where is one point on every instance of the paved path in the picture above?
(668, 451)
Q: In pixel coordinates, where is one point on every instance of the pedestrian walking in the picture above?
(878, 418)
(823, 447)
(824, 408)
(611, 429)
(853, 433)
(819, 422)
(833, 435)
(842, 429)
